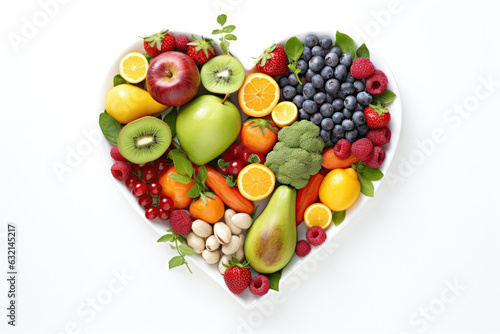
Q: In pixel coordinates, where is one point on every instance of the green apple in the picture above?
(206, 127)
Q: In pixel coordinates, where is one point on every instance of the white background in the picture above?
(432, 224)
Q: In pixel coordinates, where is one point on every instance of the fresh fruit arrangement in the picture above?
(306, 145)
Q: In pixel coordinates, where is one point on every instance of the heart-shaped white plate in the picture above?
(247, 299)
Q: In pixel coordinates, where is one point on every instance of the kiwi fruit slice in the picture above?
(144, 140)
(222, 74)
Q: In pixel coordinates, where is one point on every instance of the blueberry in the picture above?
(325, 42)
(306, 54)
(334, 140)
(346, 60)
(337, 51)
(292, 80)
(316, 63)
(351, 135)
(298, 100)
(340, 72)
(337, 117)
(363, 129)
(310, 73)
(302, 66)
(325, 135)
(359, 86)
(341, 96)
(350, 102)
(346, 88)
(338, 131)
(283, 81)
(326, 109)
(319, 97)
(332, 86)
(311, 40)
(327, 72)
(303, 114)
(348, 124)
(364, 98)
(347, 113)
(327, 124)
(317, 81)
(309, 90)
(359, 107)
(318, 51)
(359, 118)
(289, 92)
(329, 98)
(310, 106)
(338, 104)
(316, 118)
(331, 59)
(349, 78)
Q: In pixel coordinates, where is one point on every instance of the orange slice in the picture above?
(258, 95)
(134, 67)
(318, 214)
(285, 113)
(256, 182)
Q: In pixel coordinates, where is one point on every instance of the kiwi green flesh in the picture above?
(222, 74)
(144, 140)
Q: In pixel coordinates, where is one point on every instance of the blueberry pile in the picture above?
(329, 96)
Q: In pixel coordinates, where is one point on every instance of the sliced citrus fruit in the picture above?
(258, 95)
(134, 67)
(318, 214)
(285, 113)
(256, 182)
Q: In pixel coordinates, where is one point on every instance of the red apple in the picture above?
(173, 78)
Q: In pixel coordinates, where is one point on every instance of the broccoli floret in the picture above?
(297, 155)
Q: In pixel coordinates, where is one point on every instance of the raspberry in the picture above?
(316, 235)
(361, 148)
(380, 136)
(362, 68)
(180, 222)
(259, 285)
(303, 248)
(376, 83)
(121, 170)
(342, 149)
(181, 42)
(116, 155)
(376, 158)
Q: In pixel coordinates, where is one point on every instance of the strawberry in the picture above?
(237, 276)
(158, 43)
(201, 50)
(377, 116)
(273, 61)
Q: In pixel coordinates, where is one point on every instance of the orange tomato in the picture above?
(211, 212)
(175, 190)
(256, 135)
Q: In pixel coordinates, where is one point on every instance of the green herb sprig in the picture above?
(225, 32)
(293, 50)
(365, 176)
(181, 249)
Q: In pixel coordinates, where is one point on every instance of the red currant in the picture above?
(163, 214)
(152, 212)
(161, 164)
(145, 201)
(166, 203)
(149, 174)
(140, 188)
(131, 181)
(235, 167)
(154, 188)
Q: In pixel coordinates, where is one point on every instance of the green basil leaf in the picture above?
(171, 119)
(367, 188)
(181, 164)
(194, 191)
(110, 127)
(180, 178)
(294, 49)
(176, 261)
(224, 47)
(338, 217)
(230, 37)
(363, 51)
(345, 43)
(384, 98)
(372, 174)
(166, 238)
(221, 19)
(118, 80)
(186, 250)
(228, 29)
(274, 280)
(172, 247)
(217, 31)
(202, 174)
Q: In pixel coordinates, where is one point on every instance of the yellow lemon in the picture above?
(134, 67)
(285, 113)
(340, 189)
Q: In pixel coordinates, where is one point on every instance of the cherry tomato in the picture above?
(261, 157)
(246, 155)
(235, 167)
(221, 170)
(234, 151)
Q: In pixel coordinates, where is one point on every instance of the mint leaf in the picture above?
(166, 238)
(384, 98)
(346, 44)
(228, 29)
(294, 48)
(274, 280)
(171, 119)
(221, 19)
(371, 174)
(180, 178)
(118, 80)
(367, 188)
(181, 164)
(194, 191)
(176, 261)
(230, 37)
(216, 31)
(338, 217)
(224, 47)
(110, 127)
(202, 174)
(186, 250)
(363, 51)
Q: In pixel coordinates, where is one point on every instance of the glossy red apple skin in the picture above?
(173, 78)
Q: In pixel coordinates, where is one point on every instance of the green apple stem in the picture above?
(225, 98)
